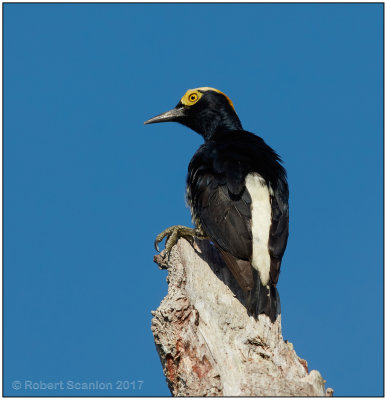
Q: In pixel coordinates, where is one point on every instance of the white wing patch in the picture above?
(260, 224)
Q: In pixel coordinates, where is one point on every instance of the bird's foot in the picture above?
(174, 233)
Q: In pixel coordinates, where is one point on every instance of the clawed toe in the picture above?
(173, 234)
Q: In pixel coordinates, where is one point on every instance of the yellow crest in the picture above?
(192, 96)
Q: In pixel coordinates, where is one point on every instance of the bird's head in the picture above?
(206, 110)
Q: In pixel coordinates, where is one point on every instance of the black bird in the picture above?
(238, 194)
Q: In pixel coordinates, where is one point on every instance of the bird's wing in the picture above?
(241, 270)
(279, 230)
(219, 199)
(225, 217)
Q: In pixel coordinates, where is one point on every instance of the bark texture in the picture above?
(207, 343)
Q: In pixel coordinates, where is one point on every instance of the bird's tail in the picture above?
(263, 299)
(260, 299)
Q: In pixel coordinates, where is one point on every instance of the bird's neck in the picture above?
(219, 124)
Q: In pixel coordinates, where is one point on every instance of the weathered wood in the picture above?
(210, 346)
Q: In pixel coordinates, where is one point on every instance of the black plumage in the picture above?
(220, 202)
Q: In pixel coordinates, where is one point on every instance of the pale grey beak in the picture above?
(172, 115)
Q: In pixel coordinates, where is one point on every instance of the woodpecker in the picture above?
(238, 194)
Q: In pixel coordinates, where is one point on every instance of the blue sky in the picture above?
(87, 186)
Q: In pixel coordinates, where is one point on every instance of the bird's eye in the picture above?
(193, 97)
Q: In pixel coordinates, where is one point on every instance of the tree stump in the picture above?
(208, 344)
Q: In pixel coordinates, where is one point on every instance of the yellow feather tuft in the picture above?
(192, 96)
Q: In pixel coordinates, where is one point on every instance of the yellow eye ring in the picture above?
(193, 97)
